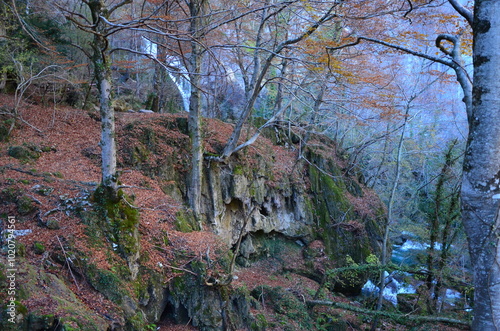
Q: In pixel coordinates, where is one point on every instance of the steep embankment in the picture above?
(83, 264)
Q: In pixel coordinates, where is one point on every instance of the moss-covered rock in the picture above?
(189, 300)
(5, 126)
(24, 152)
(68, 312)
(289, 310)
(411, 303)
(344, 235)
(53, 224)
(122, 222)
(315, 201)
(25, 205)
(106, 282)
(38, 247)
(185, 221)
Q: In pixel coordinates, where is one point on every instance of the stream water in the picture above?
(397, 282)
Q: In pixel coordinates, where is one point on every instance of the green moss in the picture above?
(331, 192)
(74, 318)
(350, 277)
(238, 170)
(47, 149)
(258, 121)
(25, 205)
(185, 222)
(11, 194)
(57, 174)
(260, 323)
(44, 190)
(40, 322)
(149, 138)
(38, 247)
(286, 305)
(5, 125)
(225, 259)
(94, 229)
(136, 322)
(20, 308)
(122, 220)
(53, 224)
(182, 125)
(178, 285)
(107, 283)
(24, 153)
(343, 234)
(139, 154)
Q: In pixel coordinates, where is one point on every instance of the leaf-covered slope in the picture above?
(294, 201)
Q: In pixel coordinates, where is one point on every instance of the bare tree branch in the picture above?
(455, 63)
(467, 14)
(398, 47)
(24, 26)
(118, 5)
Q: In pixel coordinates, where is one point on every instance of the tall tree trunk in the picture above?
(447, 238)
(107, 143)
(481, 180)
(197, 11)
(442, 218)
(102, 73)
(385, 258)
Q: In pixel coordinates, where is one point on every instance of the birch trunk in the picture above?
(107, 143)
(102, 72)
(481, 181)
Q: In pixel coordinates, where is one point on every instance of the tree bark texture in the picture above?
(102, 73)
(481, 181)
(197, 11)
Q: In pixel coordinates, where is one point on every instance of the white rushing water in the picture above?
(175, 70)
(405, 254)
(392, 289)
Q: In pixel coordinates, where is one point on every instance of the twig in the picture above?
(51, 211)
(35, 199)
(146, 208)
(22, 171)
(133, 186)
(181, 269)
(29, 124)
(69, 267)
(237, 249)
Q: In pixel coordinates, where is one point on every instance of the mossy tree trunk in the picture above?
(100, 13)
(443, 216)
(197, 10)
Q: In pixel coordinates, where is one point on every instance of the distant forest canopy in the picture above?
(282, 61)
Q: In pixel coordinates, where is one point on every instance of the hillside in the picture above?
(79, 269)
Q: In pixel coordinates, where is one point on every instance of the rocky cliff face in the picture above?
(302, 210)
(307, 197)
(233, 191)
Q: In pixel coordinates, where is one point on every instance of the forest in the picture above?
(249, 165)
